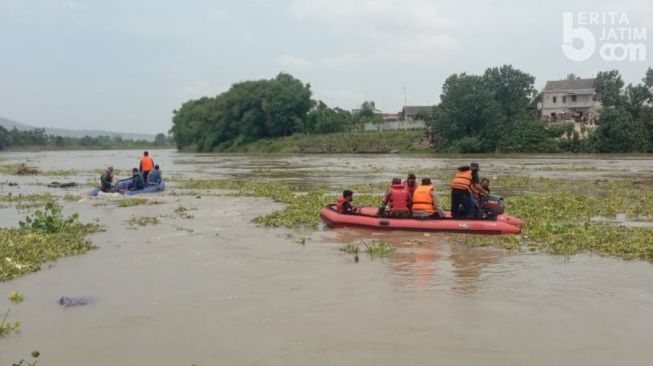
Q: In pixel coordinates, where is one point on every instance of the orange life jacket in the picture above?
(422, 199)
(147, 163)
(462, 180)
(398, 198)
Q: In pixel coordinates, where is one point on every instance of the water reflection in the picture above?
(428, 262)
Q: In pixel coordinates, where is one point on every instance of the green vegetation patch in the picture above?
(183, 213)
(560, 221)
(42, 237)
(24, 169)
(25, 201)
(375, 248)
(129, 202)
(143, 221)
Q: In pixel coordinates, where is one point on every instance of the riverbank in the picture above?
(342, 142)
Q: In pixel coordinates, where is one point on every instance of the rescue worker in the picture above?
(137, 181)
(477, 192)
(344, 203)
(411, 184)
(154, 178)
(485, 184)
(461, 192)
(106, 180)
(397, 200)
(146, 166)
(425, 201)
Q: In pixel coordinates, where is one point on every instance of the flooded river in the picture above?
(217, 289)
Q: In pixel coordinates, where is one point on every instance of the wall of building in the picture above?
(394, 125)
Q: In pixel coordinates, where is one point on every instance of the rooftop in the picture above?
(564, 85)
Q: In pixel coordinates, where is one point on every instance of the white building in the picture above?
(570, 101)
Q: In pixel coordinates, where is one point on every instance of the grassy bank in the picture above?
(344, 142)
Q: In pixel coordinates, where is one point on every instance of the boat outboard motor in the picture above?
(492, 206)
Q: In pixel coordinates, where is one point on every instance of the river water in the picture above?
(233, 293)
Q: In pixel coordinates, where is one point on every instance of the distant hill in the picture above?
(9, 124)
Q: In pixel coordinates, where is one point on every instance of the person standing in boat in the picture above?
(461, 192)
(154, 178)
(477, 192)
(146, 166)
(106, 180)
(397, 200)
(425, 201)
(344, 203)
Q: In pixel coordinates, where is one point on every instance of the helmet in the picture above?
(474, 166)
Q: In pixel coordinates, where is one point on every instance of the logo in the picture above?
(463, 226)
(610, 32)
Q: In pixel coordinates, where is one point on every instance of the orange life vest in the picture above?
(422, 199)
(398, 198)
(462, 180)
(147, 163)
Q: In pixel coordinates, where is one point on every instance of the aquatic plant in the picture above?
(35, 355)
(44, 236)
(71, 197)
(132, 201)
(560, 219)
(7, 327)
(375, 248)
(35, 199)
(183, 213)
(143, 221)
(16, 297)
(24, 169)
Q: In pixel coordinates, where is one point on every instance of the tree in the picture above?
(619, 132)
(248, 111)
(573, 76)
(513, 90)
(467, 110)
(608, 88)
(160, 139)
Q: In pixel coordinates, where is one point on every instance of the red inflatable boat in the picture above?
(367, 217)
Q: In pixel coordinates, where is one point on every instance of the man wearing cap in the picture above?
(106, 180)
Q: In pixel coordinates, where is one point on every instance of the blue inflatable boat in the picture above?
(123, 187)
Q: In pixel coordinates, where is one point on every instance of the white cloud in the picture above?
(340, 97)
(395, 31)
(198, 89)
(293, 62)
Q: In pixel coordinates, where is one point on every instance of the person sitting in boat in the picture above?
(396, 202)
(106, 180)
(425, 201)
(344, 203)
(411, 183)
(154, 178)
(137, 181)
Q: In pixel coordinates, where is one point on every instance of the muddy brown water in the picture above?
(232, 293)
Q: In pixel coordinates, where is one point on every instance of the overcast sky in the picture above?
(124, 65)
